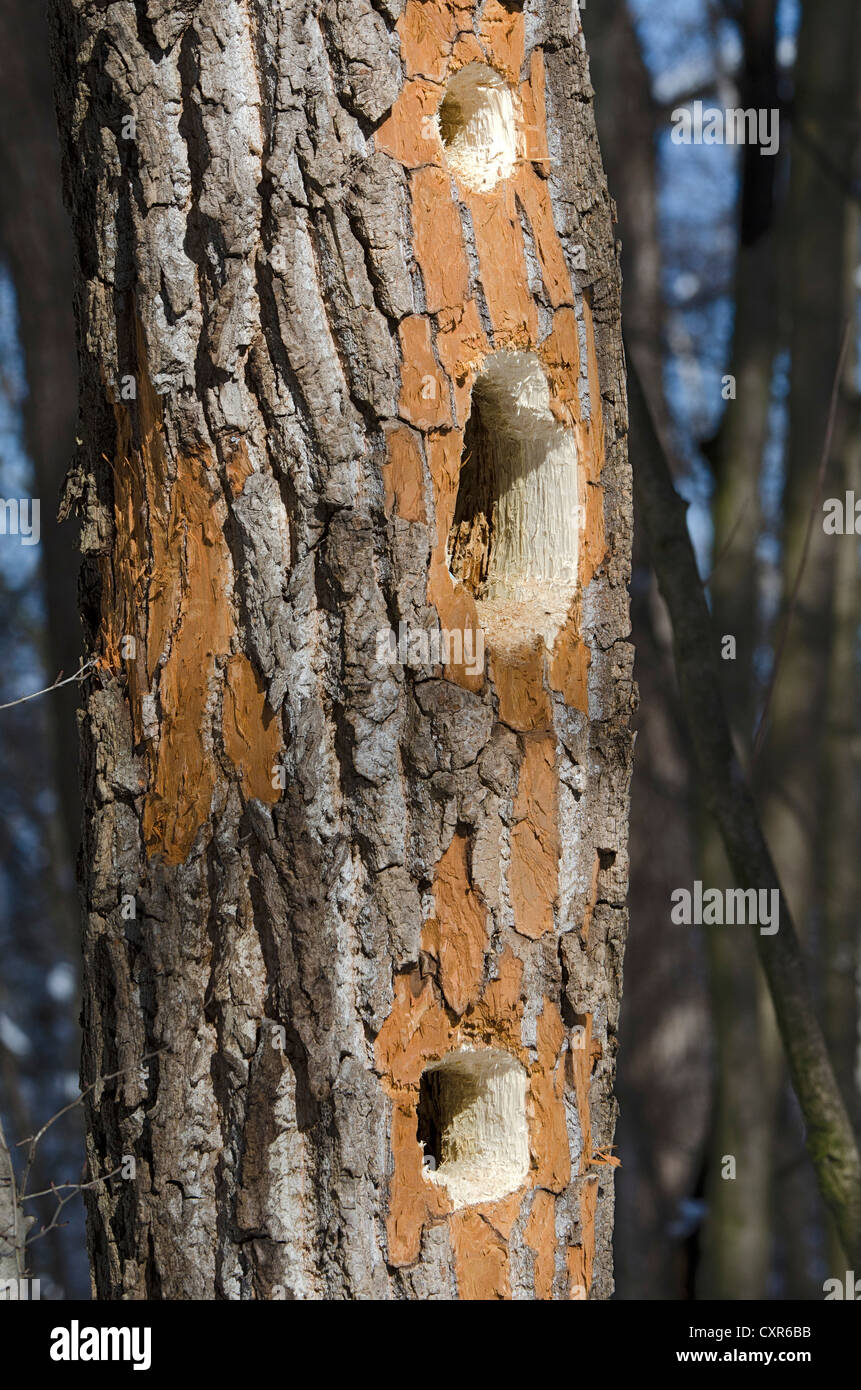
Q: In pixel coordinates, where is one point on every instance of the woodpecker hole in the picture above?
(472, 1124)
(515, 537)
(478, 127)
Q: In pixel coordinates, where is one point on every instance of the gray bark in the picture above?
(273, 259)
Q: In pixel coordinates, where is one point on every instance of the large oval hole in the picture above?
(472, 1125)
(478, 127)
(515, 537)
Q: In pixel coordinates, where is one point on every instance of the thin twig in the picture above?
(808, 536)
(33, 1139)
(56, 686)
(57, 1187)
(727, 545)
(71, 1190)
(63, 1202)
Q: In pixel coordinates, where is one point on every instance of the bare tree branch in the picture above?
(14, 1225)
(811, 521)
(33, 1139)
(829, 1136)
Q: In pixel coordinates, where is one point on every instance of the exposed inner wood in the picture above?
(478, 127)
(472, 1122)
(312, 276)
(514, 540)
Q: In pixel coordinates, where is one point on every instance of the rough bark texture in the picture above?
(303, 294)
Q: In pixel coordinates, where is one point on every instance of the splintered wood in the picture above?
(495, 431)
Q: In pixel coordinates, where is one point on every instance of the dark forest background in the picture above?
(736, 265)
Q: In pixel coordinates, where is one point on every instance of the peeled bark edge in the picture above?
(226, 255)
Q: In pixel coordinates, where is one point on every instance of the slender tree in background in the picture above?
(34, 235)
(351, 376)
(40, 826)
(817, 299)
(831, 1143)
(768, 1221)
(664, 1083)
(738, 1235)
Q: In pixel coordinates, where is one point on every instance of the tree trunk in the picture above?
(34, 235)
(818, 299)
(664, 1109)
(738, 1234)
(356, 879)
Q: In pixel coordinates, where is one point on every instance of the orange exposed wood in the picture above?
(594, 546)
(581, 1258)
(438, 240)
(502, 257)
(552, 1156)
(427, 30)
(454, 603)
(524, 701)
(416, 1032)
(444, 348)
(461, 346)
(569, 665)
(251, 732)
(409, 133)
(534, 876)
(534, 114)
(413, 1202)
(419, 1031)
(190, 627)
(534, 197)
(168, 585)
(533, 191)
(502, 30)
(540, 1236)
(425, 399)
(403, 477)
(481, 1257)
(457, 936)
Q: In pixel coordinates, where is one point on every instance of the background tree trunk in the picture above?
(41, 637)
(34, 236)
(311, 873)
(818, 299)
(738, 1237)
(663, 1083)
